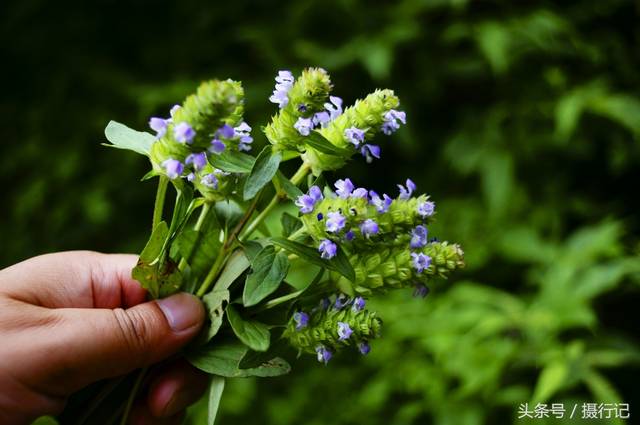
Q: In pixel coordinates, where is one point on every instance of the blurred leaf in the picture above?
(318, 142)
(289, 188)
(216, 387)
(550, 381)
(289, 224)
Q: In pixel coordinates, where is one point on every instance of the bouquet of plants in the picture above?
(352, 242)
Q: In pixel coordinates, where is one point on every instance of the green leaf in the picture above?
(200, 249)
(223, 359)
(318, 142)
(289, 188)
(269, 269)
(123, 137)
(289, 224)
(254, 335)
(262, 172)
(228, 213)
(215, 303)
(45, 420)
(552, 379)
(340, 263)
(256, 358)
(181, 210)
(146, 270)
(251, 249)
(216, 387)
(236, 265)
(233, 162)
(153, 248)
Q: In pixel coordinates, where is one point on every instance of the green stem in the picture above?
(201, 218)
(212, 274)
(132, 396)
(159, 204)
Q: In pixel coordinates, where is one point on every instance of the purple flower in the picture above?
(199, 160)
(344, 188)
(183, 133)
(302, 108)
(321, 119)
(173, 168)
(349, 235)
(305, 203)
(344, 331)
(173, 110)
(354, 135)
(315, 193)
(243, 131)
(405, 193)
(158, 125)
(358, 304)
(284, 82)
(217, 146)
(320, 216)
(391, 119)
(327, 249)
(324, 355)
(191, 177)
(210, 181)
(303, 125)
(420, 291)
(426, 209)
(302, 319)
(341, 302)
(369, 227)
(335, 222)
(364, 348)
(334, 107)
(418, 237)
(360, 192)
(369, 152)
(420, 261)
(381, 204)
(225, 131)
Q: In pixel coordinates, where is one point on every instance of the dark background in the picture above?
(524, 120)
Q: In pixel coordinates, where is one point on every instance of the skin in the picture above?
(73, 318)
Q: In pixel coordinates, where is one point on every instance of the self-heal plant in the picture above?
(216, 243)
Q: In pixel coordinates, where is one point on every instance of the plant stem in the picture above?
(158, 207)
(132, 396)
(201, 218)
(217, 265)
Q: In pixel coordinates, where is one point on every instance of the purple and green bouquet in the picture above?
(285, 265)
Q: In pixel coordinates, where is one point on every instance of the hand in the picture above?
(73, 318)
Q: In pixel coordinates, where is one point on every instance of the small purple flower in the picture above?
(173, 168)
(173, 110)
(335, 222)
(334, 107)
(391, 119)
(183, 133)
(418, 237)
(360, 192)
(364, 348)
(358, 304)
(225, 131)
(315, 193)
(321, 119)
(341, 302)
(158, 125)
(420, 291)
(302, 320)
(426, 209)
(405, 193)
(284, 82)
(191, 177)
(305, 203)
(344, 188)
(344, 331)
(302, 108)
(198, 160)
(354, 135)
(243, 131)
(381, 204)
(210, 181)
(369, 227)
(217, 146)
(369, 152)
(303, 125)
(349, 235)
(320, 216)
(327, 249)
(324, 355)
(420, 261)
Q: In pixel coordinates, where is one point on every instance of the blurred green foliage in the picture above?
(524, 126)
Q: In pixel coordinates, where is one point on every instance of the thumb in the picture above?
(99, 343)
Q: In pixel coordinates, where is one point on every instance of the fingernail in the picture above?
(182, 311)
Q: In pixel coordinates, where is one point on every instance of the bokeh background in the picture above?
(524, 125)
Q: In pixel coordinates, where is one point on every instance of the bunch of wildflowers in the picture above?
(216, 246)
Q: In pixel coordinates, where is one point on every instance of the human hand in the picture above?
(73, 318)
